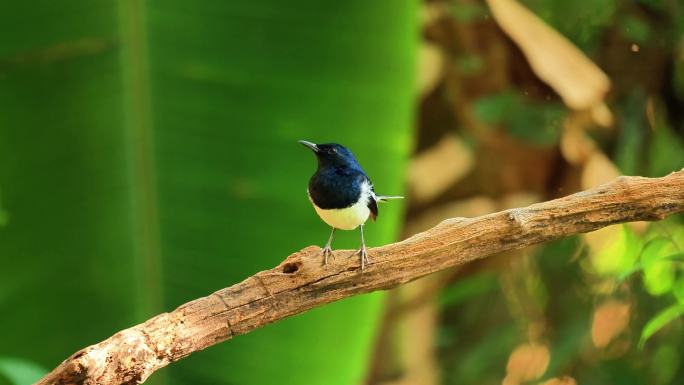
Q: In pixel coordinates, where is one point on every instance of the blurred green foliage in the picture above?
(537, 123)
(667, 152)
(630, 154)
(15, 371)
(468, 11)
(584, 23)
(552, 294)
(149, 157)
(478, 340)
(4, 216)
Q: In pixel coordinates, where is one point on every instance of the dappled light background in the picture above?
(149, 156)
(525, 101)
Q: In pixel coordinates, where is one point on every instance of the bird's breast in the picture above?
(347, 218)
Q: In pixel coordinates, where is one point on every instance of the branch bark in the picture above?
(300, 282)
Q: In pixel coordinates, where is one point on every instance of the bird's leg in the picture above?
(327, 250)
(363, 252)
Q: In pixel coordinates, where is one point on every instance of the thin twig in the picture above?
(300, 282)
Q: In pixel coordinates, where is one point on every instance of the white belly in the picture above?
(345, 219)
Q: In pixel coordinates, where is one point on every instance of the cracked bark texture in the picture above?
(300, 282)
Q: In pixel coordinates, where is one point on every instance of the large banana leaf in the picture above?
(148, 156)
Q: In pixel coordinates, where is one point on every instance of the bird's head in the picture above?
(331, 154)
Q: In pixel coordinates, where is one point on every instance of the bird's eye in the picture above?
(333, 150)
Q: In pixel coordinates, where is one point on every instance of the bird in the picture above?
(342, 194)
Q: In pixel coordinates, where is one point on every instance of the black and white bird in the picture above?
(341, 193)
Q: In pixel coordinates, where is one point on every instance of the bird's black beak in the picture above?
(310, 145)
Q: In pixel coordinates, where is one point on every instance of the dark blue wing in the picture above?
(373, 206)
(372, 203)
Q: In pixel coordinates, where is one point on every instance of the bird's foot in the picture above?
(363, 252)
(327, 251)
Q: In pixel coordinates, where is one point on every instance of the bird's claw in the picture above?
(363, 252)
(327, 251)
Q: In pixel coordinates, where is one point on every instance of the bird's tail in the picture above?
(385, 198)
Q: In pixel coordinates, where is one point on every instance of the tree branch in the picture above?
(300, 282)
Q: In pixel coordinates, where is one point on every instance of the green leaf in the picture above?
(658, 266)
(627, 273)
(149, 156)
(678, 257)
(661, 320)
(20, 372)
(659, 278)
(494, 108)
(619, 255)
(678, 290)
(537, 123)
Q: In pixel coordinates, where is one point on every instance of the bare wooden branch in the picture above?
(300, 282)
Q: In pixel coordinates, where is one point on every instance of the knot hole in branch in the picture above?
(291, 267)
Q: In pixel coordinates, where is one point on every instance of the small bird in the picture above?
(341, 193)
